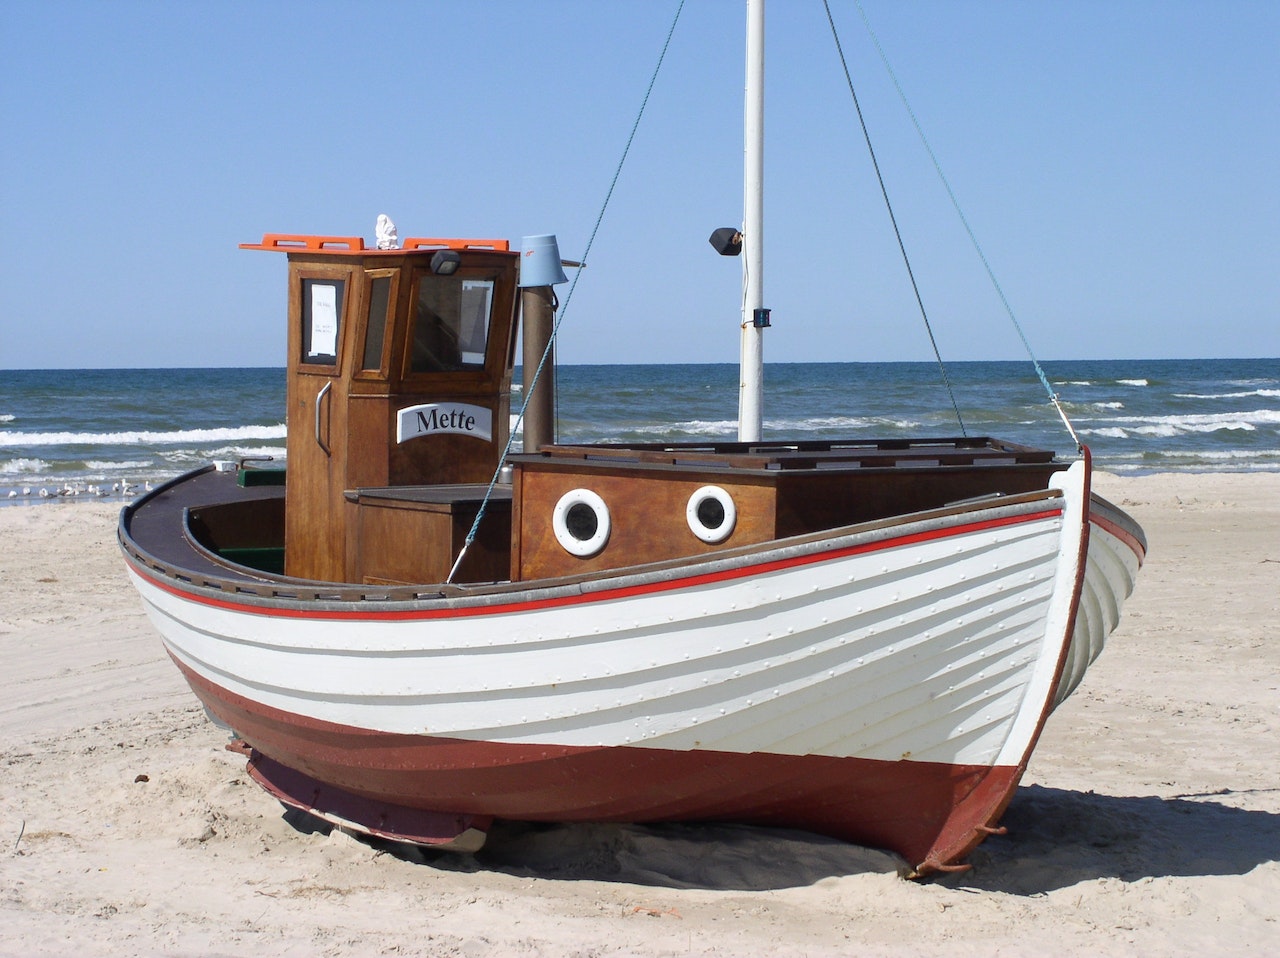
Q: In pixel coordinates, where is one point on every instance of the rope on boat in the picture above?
(1044, 380)
(893, 219)
(562, 312)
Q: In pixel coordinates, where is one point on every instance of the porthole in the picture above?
(581, 522)
(711, 514)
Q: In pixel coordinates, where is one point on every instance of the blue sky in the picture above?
(1118, 161)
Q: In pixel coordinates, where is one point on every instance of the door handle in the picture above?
(324, 391)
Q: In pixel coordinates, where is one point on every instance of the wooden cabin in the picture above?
(399, 379)
(661, 502)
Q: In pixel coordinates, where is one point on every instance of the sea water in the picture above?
(113, 432)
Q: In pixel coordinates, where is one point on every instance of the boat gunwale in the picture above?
(1119, 523)
(255, 591)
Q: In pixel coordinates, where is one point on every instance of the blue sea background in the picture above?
(85, 431)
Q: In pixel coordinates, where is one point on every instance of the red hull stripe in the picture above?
(1120, 534)
(604, 595)
(928, 812)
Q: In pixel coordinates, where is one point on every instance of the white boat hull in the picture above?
(927, 651)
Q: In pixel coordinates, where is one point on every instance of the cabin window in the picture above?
(451, 323)
(581, 522)
(321, 320)
(711, 514)
(376, 328)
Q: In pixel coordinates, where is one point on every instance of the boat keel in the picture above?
(438, 830)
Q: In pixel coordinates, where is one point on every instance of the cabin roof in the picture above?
(798, 456)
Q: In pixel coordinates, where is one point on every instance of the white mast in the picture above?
(751, 359)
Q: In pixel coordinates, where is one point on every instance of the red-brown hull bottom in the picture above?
(930, 813)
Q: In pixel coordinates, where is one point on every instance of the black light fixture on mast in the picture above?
(727, 241)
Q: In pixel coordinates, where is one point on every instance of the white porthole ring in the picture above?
(581, 522)
(707, 505)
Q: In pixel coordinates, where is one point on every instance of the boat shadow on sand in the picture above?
(1056, 838)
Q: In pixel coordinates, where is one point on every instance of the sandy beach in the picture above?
(1148, 823)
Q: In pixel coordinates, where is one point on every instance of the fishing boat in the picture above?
(413, 631)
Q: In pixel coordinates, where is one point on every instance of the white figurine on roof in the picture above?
(385, 233)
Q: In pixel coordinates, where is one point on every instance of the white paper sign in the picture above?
(324, 320)
(458, 418)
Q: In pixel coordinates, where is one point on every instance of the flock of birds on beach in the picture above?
(124, 489)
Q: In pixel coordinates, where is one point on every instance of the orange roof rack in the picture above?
(495, 244)
(295, 242)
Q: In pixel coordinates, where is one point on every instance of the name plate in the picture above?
(460, 419)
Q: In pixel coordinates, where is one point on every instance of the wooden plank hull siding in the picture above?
(777, 493)
(883, 686)
(885, 682)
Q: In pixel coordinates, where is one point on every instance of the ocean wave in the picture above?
(1073, 382)
(7, 417)
(1201, 460)
(1107, 432)
(99, 465)
(695, 427)
(22, 467)
(244, 452)
(1224, 455)
(1262, 393)
(1133, 382)
(1178, 464)
(1125, 427)
(1107, 405)
(824, 423)
(140, 438)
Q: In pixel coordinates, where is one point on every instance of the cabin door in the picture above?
(315, 540)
